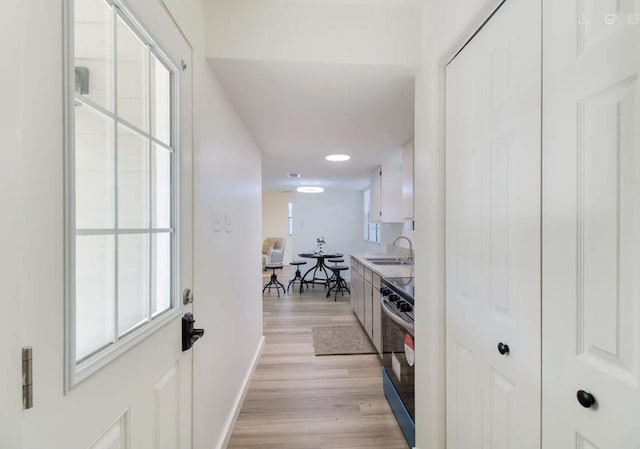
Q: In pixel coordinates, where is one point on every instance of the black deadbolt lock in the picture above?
(189, 334)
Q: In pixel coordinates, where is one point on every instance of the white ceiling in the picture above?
(299, 112)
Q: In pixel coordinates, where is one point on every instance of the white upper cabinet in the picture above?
(407, 180)
(386, 194)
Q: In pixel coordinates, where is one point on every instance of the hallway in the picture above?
(299, 401)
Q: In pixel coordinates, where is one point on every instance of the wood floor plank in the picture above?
(297, 400)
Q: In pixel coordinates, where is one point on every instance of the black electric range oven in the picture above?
(398, 351)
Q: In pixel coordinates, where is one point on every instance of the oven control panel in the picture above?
(397, 295)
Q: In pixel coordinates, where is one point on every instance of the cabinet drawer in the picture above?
(368, 276)
(376, 281)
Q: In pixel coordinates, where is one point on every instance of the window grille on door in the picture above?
(121, 183)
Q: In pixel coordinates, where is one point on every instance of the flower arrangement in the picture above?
(320, 241)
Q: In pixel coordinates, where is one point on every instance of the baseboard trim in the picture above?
(237, 406)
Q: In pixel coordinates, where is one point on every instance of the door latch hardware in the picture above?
(187, 296)
(189, 334)
(27, 377)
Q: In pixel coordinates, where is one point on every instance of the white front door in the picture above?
(142, 399)
(11, 205)
(493, 235)
(591, 227)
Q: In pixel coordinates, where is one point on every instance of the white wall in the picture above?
(227, 264)
(335, 215)
(275, 219)
(314, 32)
(443, 21)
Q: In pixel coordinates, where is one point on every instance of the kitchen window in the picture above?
(371, 230)
(121, 258)
(290, 222)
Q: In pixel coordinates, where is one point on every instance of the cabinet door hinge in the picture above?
(27, 377)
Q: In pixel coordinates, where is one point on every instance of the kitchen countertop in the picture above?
(386, 271)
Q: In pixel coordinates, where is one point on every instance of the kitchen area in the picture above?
(382, 297)
(382, 288)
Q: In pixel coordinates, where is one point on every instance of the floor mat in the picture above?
(340, 340)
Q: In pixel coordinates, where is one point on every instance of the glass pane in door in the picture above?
(161, 273)
(160, 101)
(133, 180)
(95, 176)
(133, 281)
(133, 77)
(93, 44)
(95, 293)
(161, 187)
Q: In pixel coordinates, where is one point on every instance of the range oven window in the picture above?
(398, 351)
(398, 360)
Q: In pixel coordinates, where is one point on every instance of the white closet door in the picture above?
(591, 227)
(493, 234)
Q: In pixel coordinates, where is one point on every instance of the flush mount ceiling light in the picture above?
(338, 157)
(310, 189)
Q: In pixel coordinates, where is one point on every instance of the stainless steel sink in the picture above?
(388, 261)
(391, 262)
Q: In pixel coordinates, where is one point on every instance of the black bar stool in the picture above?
(336, 261)
(339, 284)
(274, 282)
(298, 276)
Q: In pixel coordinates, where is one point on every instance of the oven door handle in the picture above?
(395, 318)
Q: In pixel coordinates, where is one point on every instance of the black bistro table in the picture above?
(319, 268)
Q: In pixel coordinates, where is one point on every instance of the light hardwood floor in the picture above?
(299, 401)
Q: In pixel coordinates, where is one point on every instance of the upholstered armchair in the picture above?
(272, 250)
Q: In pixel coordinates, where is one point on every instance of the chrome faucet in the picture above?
(410, 258)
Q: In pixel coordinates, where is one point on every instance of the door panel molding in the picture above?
(167, 409)
(116, 436)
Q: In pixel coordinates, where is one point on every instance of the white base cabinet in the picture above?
(365, 301)
(368, 306)
(376, 317)
(357, 289)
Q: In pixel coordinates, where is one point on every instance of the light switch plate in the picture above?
(217, 222)
(227, 222)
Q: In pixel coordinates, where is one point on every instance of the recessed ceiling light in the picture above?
(338, 157)
(310, 189)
